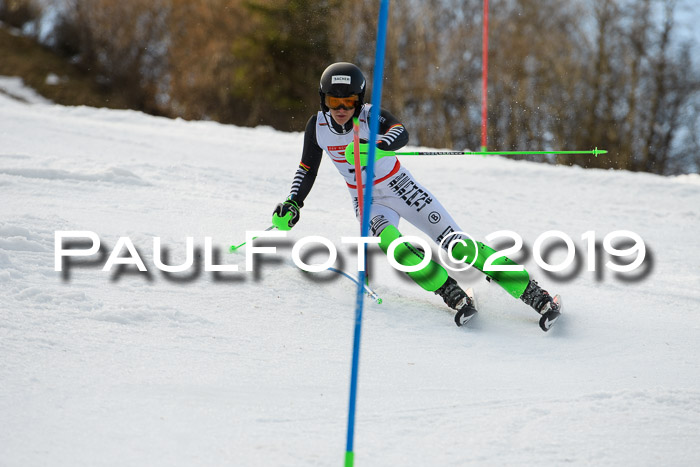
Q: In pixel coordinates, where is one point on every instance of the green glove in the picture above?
(286, 215)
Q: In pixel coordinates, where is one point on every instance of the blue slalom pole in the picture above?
(373, 130)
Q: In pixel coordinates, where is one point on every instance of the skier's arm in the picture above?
(286, 214)
(392, 133)
(308, 167)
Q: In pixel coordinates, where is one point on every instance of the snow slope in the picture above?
(196, 368)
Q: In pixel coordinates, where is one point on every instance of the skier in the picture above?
(396, 195)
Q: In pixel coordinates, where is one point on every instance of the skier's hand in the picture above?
(286, 215)
(381, 145)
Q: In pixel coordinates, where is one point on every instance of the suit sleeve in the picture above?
(392, 133)
(311, 157)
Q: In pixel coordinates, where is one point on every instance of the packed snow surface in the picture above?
(124, 367)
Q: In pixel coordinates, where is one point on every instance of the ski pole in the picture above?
(372, 294)
(349, 154)
(233, 248)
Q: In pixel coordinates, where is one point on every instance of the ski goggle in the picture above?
(347, 103)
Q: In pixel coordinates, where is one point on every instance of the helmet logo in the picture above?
(341, 79)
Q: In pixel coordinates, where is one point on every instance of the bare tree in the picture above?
(562, 74)
(201, 65)
(124, 42)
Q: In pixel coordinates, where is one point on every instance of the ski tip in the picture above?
(461, 319)
(558, 301)
(552, 315)
(463, 316)
(548, 319)
(470, 294)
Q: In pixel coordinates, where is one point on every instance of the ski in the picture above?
(551, 314)
(465, 314)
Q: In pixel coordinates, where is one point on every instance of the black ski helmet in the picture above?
(342, 79)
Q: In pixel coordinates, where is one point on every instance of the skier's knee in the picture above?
(378, 224)
(430, 277)
(504, 271)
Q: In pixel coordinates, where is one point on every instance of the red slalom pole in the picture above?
(484, 75)
(358, 167)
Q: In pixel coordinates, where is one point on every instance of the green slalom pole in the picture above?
(595, 152)
(349, 154)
